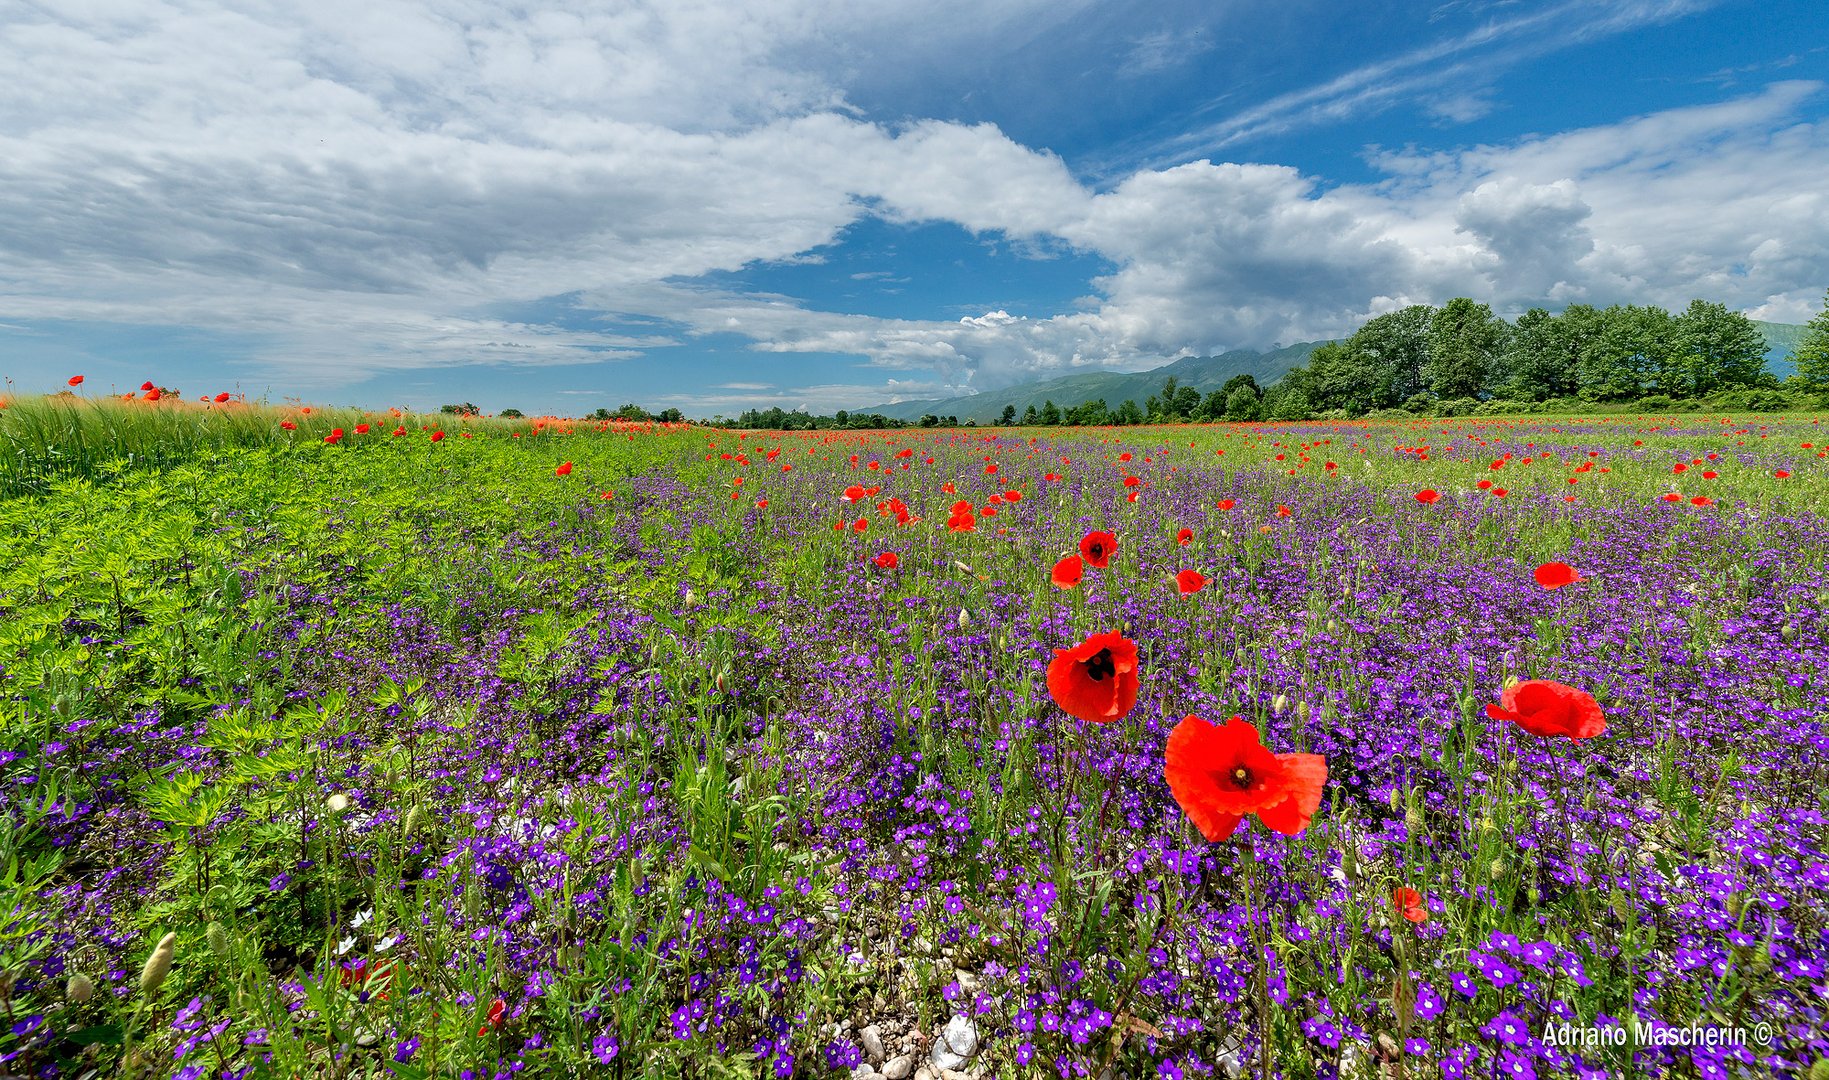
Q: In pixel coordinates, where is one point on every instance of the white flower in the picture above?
(345, 945)
(386, 943)
(361, 918)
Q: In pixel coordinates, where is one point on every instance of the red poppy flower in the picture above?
(1096, 548)
(1220, 773)
(962, 522)
(762, 504)
(1067, 572)
(147, 385)
(1125, 456)
(1184, 537)
(399, 431)
(1782, 474)
(497, 1009)
(1427, 496)
(1283, 511)
(224, 396)
(288, 425)
(888, 560)
(1224, 504)
(1671, 496)
(153, 394)
(334, 438)
(1701, 500)
(437, 436)
(991, 469)
(1547, 708)
(563, 470)
(1679, 467)
(76, 380)
(1499, 493)
(1095, 680)
(1012, 496)
(1554, 575)
(1711, 474)
(361, 429)
(1131, 481)
(1190, 581)
(1484, 485)
(1409, 904)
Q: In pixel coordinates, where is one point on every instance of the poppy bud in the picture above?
(1278, 704)
(965, 620)
(414, 819)
(218, 939)
(1413, 819)
(1622, 907)
(1533, 895)
(1303, 711)
(1510, 681)
(1789, 633)
(1496, 869)
(1390, 800)
(1735, 903)
(337, 803)
(692, 598)
(1762, 965)
(80, 988)
(473, 901)
(61, 707)
(158, 965)
(1487, 825)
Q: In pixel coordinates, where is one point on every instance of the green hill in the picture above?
(1204, 373)
(1781, 341)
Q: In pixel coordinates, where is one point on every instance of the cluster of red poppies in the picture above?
(1220, 774)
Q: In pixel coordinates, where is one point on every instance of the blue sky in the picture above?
(822, 204)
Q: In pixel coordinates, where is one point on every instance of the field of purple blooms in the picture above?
(567, 750)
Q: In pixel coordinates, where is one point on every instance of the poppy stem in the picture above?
(1254, 907)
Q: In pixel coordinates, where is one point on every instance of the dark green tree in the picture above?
(1812, 355)
(1543, 357)
(1051, 413)
(1128, 413)
(1464, 344)
(511, 414)
(1716, 349)
(1030, 417)
(1634, 344)
(1008, 418)
(1392, 350)
(1242, 405)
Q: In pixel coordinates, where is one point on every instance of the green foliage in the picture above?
(1812, 353)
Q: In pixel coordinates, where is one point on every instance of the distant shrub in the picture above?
(1655, 403)
(1390, 414)
(1501, 407)
(1460, 406)
(1333, 414)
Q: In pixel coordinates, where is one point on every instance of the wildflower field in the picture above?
(346, 745)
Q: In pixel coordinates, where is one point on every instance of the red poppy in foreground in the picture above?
(1547, 708)
(1409, 904)
(1225, 504)
(1096, 548)
(888, 560)
(224, 396)
(147, 385)
(1067, 572)
(437, 436)
(1554, 575)
(1190, 581)
(563, 470)
(153, 394)
(1184, 537)
(1220, 773)
(1095, 680)
(494, 1020)
(76, 380)
(1427, 495)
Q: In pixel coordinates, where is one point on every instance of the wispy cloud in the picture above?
(1463, 59)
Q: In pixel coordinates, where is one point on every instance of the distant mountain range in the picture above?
(1204, 373)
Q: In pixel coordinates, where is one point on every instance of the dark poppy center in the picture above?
(1100, 667)
(1241, 778)
(1097, 551)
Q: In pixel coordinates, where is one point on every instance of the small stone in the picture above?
(898, 1068)
(865, 1072)
(956, 1044)
(871, 1039)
